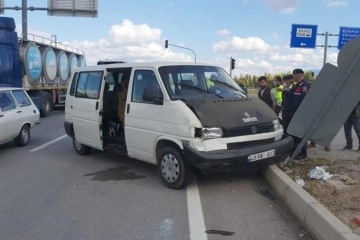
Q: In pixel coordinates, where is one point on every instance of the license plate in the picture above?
(262, 155)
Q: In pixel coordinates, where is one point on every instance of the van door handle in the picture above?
(128, 108)
(97, 106)
(18, 111)
(71, 106)
(1, 115)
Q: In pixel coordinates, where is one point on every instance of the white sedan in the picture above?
(17, 115)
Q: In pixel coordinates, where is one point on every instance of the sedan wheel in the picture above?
(24, 136)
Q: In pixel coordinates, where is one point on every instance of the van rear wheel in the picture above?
(175, 172)
(81, 149)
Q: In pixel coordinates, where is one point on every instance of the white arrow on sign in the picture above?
(303, 44)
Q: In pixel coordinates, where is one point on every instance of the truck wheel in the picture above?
(24, 136)
(81, 149)
(174, 171)
(46, 106)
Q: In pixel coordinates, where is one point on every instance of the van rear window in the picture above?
(89, 84)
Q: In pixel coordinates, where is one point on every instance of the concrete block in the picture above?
(323, 224)
(298, 199)
(277, 179)
(349, 236)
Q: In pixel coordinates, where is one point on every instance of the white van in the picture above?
(178, 116)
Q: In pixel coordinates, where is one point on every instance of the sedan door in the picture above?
(27, 111)
(2, 126)
(10, 115)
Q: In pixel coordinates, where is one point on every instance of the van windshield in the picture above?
(199, 82)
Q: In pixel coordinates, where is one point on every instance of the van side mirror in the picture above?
(153, 95)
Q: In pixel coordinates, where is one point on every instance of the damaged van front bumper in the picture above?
(247, 158)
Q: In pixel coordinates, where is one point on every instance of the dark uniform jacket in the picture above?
(296, 95)
(286, 101)
(266, 97)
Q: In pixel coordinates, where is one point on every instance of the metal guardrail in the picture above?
(51, 43)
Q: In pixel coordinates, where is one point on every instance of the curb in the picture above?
(320, 221)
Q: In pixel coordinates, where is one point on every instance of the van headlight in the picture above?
(277, 124)
(209, 133)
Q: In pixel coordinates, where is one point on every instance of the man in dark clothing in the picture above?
(264, 92)
(296, 95)
(352, 121)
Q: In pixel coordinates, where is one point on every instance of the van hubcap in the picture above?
(170, 168)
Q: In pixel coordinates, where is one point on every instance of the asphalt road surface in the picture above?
(47, 191)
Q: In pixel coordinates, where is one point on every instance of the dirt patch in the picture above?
(341, 193)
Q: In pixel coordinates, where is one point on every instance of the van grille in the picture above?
(240, 145)
(248, 130)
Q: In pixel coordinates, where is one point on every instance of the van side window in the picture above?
(6, 101)
(144, 79)
(21, 98)
(89, 84)
(73, 84)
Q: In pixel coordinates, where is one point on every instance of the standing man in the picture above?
(264, 92)
(352, 121)
(296, 96)
(276, 94)
(286, 111)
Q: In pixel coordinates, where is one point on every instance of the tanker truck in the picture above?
(39, 65)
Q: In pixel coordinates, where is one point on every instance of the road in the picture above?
(47, 191)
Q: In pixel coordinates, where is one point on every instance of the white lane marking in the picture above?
(48, 144)
(196, 217)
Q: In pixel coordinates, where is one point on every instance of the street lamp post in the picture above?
(167, 44)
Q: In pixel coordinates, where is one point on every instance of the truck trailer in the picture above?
(39, 65)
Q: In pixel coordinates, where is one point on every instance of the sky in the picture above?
(256, 33)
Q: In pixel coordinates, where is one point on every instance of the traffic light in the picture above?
(232, 63)
(166, 43)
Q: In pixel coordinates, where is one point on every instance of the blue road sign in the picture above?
(346, 34)
(303, 36)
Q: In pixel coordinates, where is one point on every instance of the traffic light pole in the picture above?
(168, 44)
(230, 67)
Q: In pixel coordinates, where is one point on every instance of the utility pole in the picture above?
(325, 46)
(61, 9)
(24, 19)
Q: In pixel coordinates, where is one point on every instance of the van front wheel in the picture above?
(81, 149)
(175, 172)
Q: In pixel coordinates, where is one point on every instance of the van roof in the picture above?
(142, 64)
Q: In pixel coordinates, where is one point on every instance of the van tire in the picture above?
(23, 138)
(175, 172)
(81, 149)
